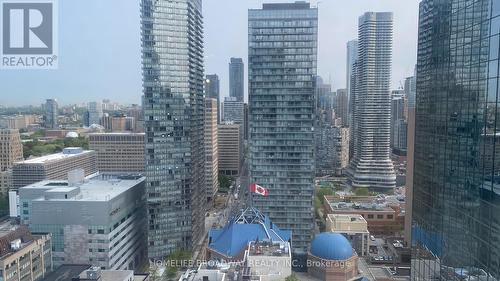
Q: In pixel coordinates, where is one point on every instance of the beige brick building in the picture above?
(118, 152)
(211, 148)
(230, 148)
(11, 148)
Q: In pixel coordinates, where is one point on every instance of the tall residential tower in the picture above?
(282, 60)
(172, 52)
(371, 165)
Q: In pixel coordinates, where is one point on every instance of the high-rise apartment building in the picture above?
(342, 106)
(410, 91)
(230, 145)
(211, 148)
(212, 90)
(233, 111)
(172, 51)
(118, 152)
(456, 202)
(371, 165)
(237, 79)
(282, 62)
(99, 221)
(51, 113)
(11, 148)
(53, 166)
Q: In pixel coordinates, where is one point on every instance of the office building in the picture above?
(371, 166)
(100, 221)
(354, 227)
(23, 255)
(212, 90)
(455, 201)
(51, 113)
(245, 121)
(211, 148)
(410, 91)
(342, 106)
(233, 111)
(118, 152)
(94, 110)
(236, 79)
(397, 115)
(53, 166)
(400, 134)
(282, 71)
(174, 123)
(230, 145)
(11, 148)
(352, 57)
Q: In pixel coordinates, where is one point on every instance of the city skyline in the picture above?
(122, 36)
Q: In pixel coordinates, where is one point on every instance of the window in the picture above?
(380, 216)
(100, 231)
(390, 217)
(370, 216)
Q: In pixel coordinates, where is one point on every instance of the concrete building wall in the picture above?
(119, 152)
(230, 137)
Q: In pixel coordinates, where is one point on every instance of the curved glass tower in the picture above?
(172, 65)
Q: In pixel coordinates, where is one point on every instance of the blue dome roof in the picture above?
(331, 246)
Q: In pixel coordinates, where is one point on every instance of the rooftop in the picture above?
(66, 272)
(263, 248)
(98, 188)
(68, 152)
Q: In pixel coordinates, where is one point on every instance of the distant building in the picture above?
(331, 257)
(95, 113)
(245, 122)
(233, 111)
(211, 148)
(342, 106)
(400, 134)
(11, 148)
(230, 145)
(18, 121)
(354, 227)
(232, 241)
(212, 90)
(236, 79)
(51, 113)
(53, 166)
(23, 255)
(118, 152)
(352, 57)
(100, 221)
(397, 114)
(332, 149)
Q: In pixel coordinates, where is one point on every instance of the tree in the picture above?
(224, 183)
(292, 277)
(362, 191)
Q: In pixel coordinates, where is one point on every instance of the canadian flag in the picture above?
(255, 188)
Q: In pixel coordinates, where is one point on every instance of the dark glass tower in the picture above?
(456, 180)
(236, 79)
(282, 68)
(172, 64)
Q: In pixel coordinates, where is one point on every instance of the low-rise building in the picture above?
(268, 260)
(99, 221)
(354, 227)
(84, 272)
(383, 217)
(23, 255)
(54, 166)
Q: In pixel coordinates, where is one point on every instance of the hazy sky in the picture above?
(99, 47)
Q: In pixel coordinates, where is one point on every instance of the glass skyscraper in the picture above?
(371, 165)
(282, 68)
(172, 62)
(456, 180)
(237, 79)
